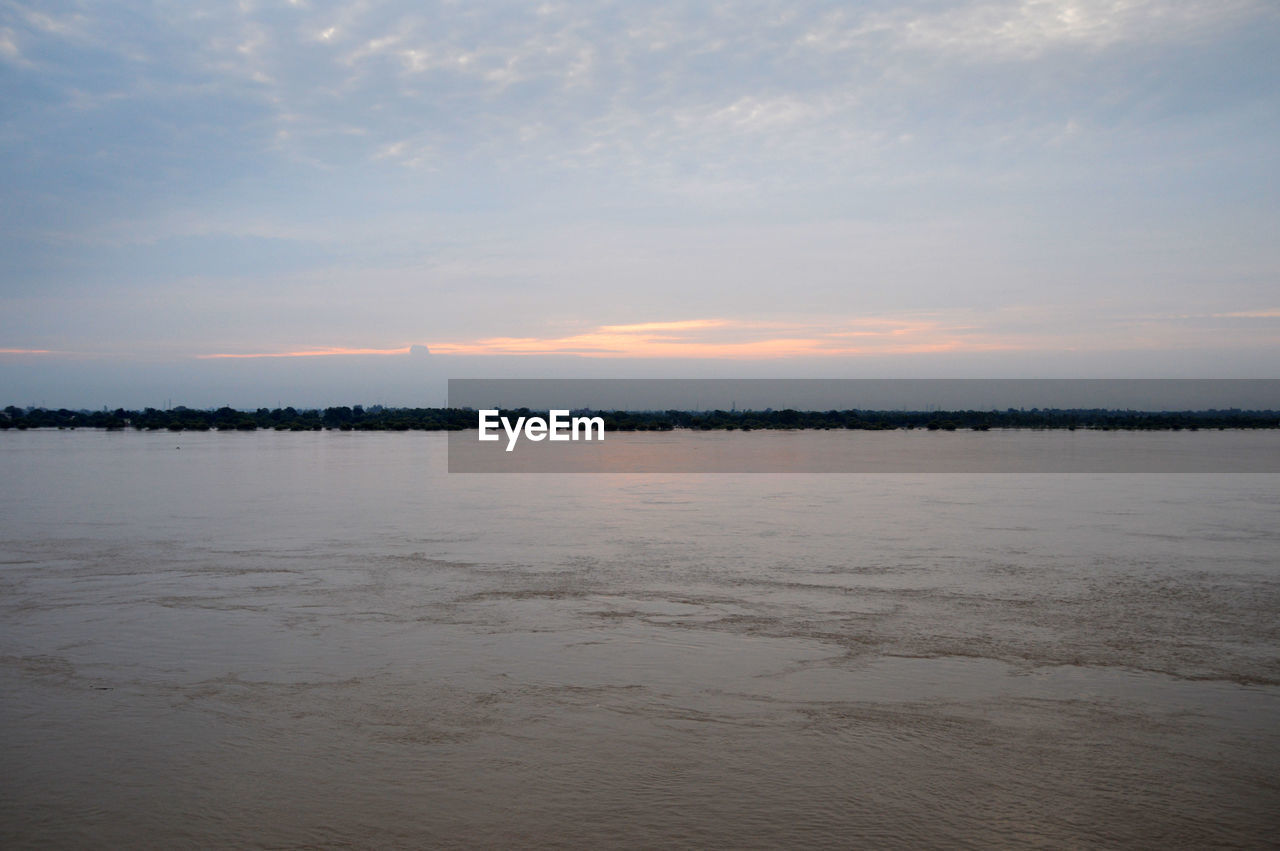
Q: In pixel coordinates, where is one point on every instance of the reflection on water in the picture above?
(323, 639)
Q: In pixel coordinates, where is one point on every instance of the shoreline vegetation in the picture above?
(379, 418)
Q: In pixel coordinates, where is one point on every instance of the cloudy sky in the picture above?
(286, 201)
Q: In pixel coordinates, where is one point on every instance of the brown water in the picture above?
(302, 640)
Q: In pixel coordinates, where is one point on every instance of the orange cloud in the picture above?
(28, 352)
(711, 338)
(680, 325)
(748, 340)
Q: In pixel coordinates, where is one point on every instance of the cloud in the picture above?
(1028, 329)
(1027, 29)
(9, 50)
(677, 325)
(308, 353)
(1273, 313)
(741, 339)
(665, 95)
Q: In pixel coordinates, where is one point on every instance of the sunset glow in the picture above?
(742, 340)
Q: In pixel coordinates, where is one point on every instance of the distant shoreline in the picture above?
(379, 418)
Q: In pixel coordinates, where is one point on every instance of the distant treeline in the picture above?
(374, 418)
(378, 418)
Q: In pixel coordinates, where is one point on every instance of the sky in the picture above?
(332, 203)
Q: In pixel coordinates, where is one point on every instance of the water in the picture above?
(322, 639)
(892, 451)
